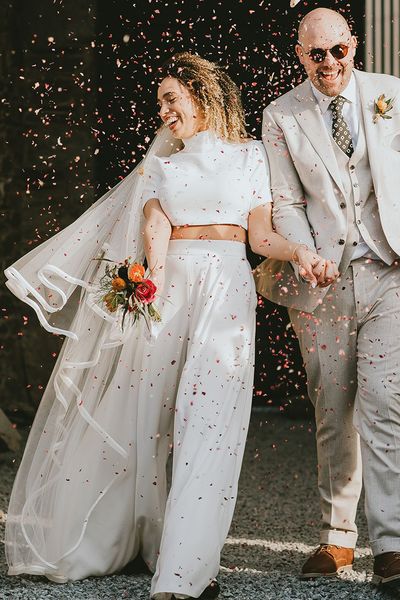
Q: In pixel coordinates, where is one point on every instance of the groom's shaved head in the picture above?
(320, 20)
(324, 30)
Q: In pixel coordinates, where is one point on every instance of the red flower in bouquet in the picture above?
(145, 291)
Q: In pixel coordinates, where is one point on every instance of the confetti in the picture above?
(84, 99)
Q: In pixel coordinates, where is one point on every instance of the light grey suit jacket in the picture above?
(307, 186)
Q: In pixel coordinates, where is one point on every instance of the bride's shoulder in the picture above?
(251, 151)
(245, 144)
(255, 147)
(159, 162)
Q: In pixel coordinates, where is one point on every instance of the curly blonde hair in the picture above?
(214, 92)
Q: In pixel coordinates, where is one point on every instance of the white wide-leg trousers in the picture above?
(200, 375)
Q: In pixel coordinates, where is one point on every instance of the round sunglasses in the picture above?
(318, 55)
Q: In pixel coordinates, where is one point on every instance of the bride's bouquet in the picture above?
(123, 287)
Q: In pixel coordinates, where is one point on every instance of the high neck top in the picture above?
(210, 181)
(201, 141)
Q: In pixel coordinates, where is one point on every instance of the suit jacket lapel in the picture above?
(308, 115)
(367, 94)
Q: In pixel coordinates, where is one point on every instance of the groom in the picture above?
(333, 145)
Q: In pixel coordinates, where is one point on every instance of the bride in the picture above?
(91, 491)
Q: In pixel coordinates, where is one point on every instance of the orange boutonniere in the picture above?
(381, 107)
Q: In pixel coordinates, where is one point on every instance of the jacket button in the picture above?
(341, 242)
(354, 243)
(342, 205)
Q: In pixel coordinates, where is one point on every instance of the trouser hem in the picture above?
(387, 544)
(346, 539)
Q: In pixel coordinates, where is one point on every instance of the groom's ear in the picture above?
(354, 41)
(299, 52)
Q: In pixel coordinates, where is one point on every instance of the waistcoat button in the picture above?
(342, 205)
(354, 243)
(341, 242)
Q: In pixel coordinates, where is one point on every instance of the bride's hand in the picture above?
(326, 272)
(158, 278)
(313, 268)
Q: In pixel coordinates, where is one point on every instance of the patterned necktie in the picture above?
(340, 129)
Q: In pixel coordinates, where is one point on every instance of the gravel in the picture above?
(275, 527)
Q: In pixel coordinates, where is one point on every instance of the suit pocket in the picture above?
(389, 132)
(394, 140)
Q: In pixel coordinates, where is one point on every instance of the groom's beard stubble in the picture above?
(331, 81)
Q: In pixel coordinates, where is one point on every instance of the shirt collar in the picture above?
(350, 93)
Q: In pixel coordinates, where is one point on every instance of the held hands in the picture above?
(313, 268)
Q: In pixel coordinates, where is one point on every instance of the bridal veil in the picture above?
(58, 280)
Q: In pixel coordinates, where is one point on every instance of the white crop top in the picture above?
(210, 181)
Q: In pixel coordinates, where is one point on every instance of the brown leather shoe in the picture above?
(328, 561)
(387, 569)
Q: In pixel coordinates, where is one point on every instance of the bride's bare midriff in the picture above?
(232, 233)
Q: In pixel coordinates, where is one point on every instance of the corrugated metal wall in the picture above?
(382, 30)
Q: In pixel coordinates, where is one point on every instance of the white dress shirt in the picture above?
(351, 108)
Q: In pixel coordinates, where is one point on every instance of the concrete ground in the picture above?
(275, 526)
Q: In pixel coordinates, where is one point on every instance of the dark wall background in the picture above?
(79, 109)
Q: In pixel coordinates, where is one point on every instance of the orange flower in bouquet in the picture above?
(118, 283)
(136, 272)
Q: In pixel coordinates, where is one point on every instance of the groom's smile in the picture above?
(329, 75)
(329, 80)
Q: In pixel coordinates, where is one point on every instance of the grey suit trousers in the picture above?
(351, 350)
